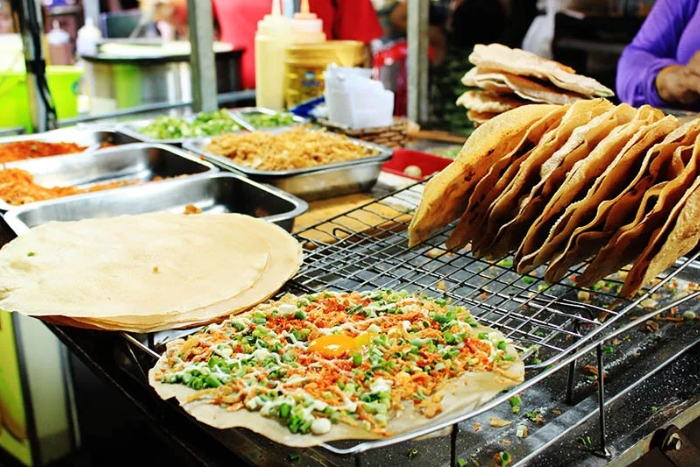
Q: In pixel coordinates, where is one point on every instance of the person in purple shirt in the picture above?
(661, 66)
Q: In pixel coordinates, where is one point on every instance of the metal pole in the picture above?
(417, 60)
(32, 30)
(202, 62)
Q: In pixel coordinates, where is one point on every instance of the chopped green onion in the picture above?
(285, 410)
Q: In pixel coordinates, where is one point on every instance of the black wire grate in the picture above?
(367, 248)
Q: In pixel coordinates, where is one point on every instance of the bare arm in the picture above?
(678, 84)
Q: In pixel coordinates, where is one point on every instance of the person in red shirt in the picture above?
(342, 20)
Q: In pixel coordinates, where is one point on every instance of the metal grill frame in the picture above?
(348, 252)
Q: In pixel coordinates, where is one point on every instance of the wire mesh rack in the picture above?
(553, 325)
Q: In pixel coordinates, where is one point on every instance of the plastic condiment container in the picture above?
(60, 48)
(307, 28)
(88, 37)
(272, 37)
(305, 64)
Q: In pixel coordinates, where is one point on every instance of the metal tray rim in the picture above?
(41, 136)
(239, 115)
(12, 216)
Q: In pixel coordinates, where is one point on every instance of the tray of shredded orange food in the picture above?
(17, 187)
(327, 366)
(287, 151)
(30, 181)
(31, 149)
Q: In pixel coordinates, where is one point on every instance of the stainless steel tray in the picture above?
(133, 129)
(212, 193)
(241, 114)
(137, 162)
(320, 182)
(92, 137)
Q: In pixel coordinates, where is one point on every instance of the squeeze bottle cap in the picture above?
(275, 23)
(57, 35)
(306, 22)
(89, 30)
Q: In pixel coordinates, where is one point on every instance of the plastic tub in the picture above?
(14, 97)
(427, 164)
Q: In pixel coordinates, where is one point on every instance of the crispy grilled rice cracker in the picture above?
(503, 83)
(554, 170)
(480, 118)
(520, 62)
(678, 235)
(624, 181)
(489, 102)
(538, 245)
(446, 195)
(630, 240)
(498, 177)
(505, 208)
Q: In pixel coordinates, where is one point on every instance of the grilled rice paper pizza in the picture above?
(446, 195)
(656, 207)
(309, 369)
(505, 208)
(553, 171)
(497, 178)
(537, 245)
(623, 183)
(520, 62)
(489, 102)
(679, 234)
(499, 82)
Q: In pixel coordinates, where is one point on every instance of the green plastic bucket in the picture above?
(63, 83)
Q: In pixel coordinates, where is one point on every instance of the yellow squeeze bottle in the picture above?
(273, 35)
(306, 26)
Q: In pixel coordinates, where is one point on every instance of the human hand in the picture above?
(678, 84)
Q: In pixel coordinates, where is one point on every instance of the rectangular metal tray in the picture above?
(212, 193)
(314, 183)
(240, 115)
(133, 129)
(137, 162)
(92, 137)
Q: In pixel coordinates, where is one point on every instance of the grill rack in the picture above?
(366, 248)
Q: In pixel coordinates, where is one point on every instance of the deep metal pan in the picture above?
(320, 182)
(212, 193)
(137, 162)
(92, 137)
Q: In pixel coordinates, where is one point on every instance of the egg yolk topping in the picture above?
(337, 345)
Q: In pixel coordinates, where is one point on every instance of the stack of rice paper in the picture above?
(504, 78)
(146, 272)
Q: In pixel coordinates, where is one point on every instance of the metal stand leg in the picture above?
(570, 383)
(358, 459)
(603, 451)
(453, 444)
